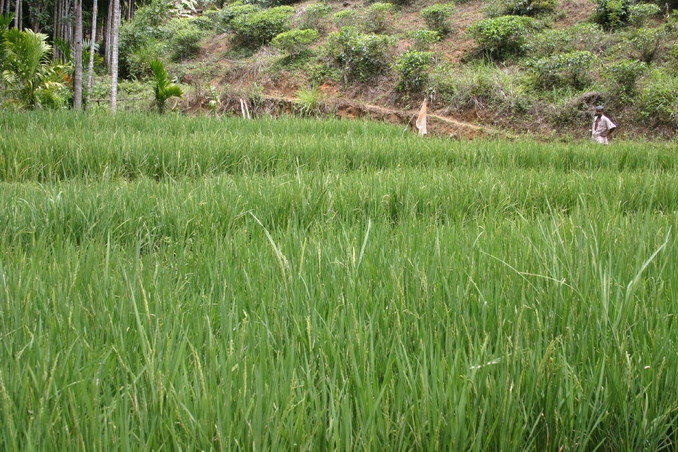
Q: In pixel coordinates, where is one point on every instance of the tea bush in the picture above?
(258, 28)
(345, 18)
(294, 42)
(423, 39)
(412, 66)
(184, 37)
(548, 42)
(360, 56)
(496, 8)
(659, 98)
(378, 16)
(563, 69)
(645, 43)
(623, 74)
(612, 14)
(504, 35)
(237, 9)
(315, 15)
(437, 17)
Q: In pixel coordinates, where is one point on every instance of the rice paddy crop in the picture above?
(173, 283)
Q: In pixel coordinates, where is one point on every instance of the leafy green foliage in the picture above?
(185, 38)
(27, 73)
(315, 16)
(360, 56)
(641, 12)
(480, 86)
(234, 10)
(645, 43)
(613, 14)
(294, 42)
(562, 69)
(659, 98)
(378, 16)
(412, 66)
(163, 88)
(423, 39)
(496, 8)
(504, 35)
(623, 74)
(258, 28)
(345, 18)
(309, 101)
(437, 17)
(558, 40)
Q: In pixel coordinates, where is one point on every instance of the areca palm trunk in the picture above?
(90, 66)
(114, 55)
(77, 79)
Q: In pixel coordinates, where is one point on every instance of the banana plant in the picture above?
(163, 89)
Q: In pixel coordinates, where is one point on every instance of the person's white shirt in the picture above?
(600, 129)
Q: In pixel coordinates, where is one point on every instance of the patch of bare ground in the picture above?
(571, 12)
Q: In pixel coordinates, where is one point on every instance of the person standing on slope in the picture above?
(602, 127)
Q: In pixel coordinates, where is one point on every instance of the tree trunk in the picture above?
(17, 14)
(109, 26)
(114, 55)
(77, 81)
(93, 40)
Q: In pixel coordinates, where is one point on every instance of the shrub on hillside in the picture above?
(501, 36)
(612, 14)
(378, 16)
(645, 43)
(234, 10)
(294, 42)
(640, 13)
(623, 75)
(345, 18)
(143, 39)
(437, 17)
(315, 15)
(270, 3)
(565, 69)
(480, 86)
(496, 8)
(659, 98)
(184, 37)
(258, 28)
(548, 42)
(412, 67)
(360, 56)
(423, 39)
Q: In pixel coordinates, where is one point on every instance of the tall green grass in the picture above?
(301, 285)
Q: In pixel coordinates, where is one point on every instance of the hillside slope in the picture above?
(544, 78)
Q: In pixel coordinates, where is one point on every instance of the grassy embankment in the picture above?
(195, 284)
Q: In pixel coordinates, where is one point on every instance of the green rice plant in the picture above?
(203, 283)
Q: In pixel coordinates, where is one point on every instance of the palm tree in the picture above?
(77, 79)
(114, 55)
(92, 47)
(27, 69)
(164, 89)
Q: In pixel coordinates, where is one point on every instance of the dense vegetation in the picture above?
(205, 284)
(534, 66)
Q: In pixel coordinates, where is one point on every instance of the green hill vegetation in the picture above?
(536, 66)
